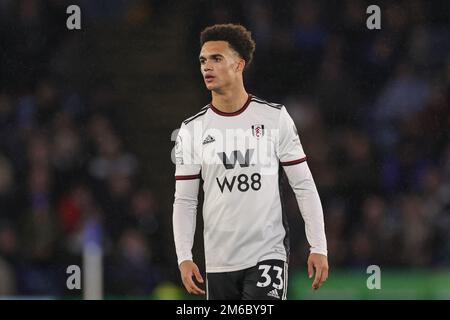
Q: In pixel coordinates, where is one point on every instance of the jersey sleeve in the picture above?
(290, 150)
(302, 183)
(187, 160)
(184, 217)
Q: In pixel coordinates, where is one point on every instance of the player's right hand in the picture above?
(188, 269)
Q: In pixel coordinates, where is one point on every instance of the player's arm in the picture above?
(184, 222)
(308, 200)
(293, 160)
(187, 182)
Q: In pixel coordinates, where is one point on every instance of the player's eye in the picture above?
(202, 61)
(217, 59)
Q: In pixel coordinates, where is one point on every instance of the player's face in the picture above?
(220, 65)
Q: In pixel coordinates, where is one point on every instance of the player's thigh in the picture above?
(224, 285)
(266, 281)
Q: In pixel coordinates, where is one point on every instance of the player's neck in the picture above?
(230, 100)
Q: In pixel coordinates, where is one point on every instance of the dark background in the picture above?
(87, 119)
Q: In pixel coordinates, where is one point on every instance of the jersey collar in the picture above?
(235, 113)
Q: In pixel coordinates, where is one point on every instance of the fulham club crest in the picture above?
(258, 130)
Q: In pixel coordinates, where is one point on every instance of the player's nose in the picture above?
(207, 67)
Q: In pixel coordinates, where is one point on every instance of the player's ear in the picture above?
(240, 65)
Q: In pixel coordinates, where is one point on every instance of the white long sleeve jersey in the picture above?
(238, 156)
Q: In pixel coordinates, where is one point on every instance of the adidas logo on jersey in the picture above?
(208, 139)
(273, 293)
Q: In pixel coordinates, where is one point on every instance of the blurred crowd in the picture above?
(372, 108)
(65, 170)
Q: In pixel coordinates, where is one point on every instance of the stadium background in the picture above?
(86, 122)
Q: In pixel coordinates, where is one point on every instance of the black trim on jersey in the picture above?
(284, 218)
(202, 112)
(191, 177)
(270, 104)
(291, 163)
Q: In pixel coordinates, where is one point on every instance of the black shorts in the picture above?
(265, 281)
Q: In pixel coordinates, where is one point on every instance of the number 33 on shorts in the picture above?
(271, 279)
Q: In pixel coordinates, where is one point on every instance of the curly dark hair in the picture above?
(238, 37)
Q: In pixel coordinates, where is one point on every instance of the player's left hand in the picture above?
(319, 262)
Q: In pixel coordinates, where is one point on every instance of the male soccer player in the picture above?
(237, 144)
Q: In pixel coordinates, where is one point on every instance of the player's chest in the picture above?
(248, 143)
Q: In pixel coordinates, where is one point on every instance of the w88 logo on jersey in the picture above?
(242, 182)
